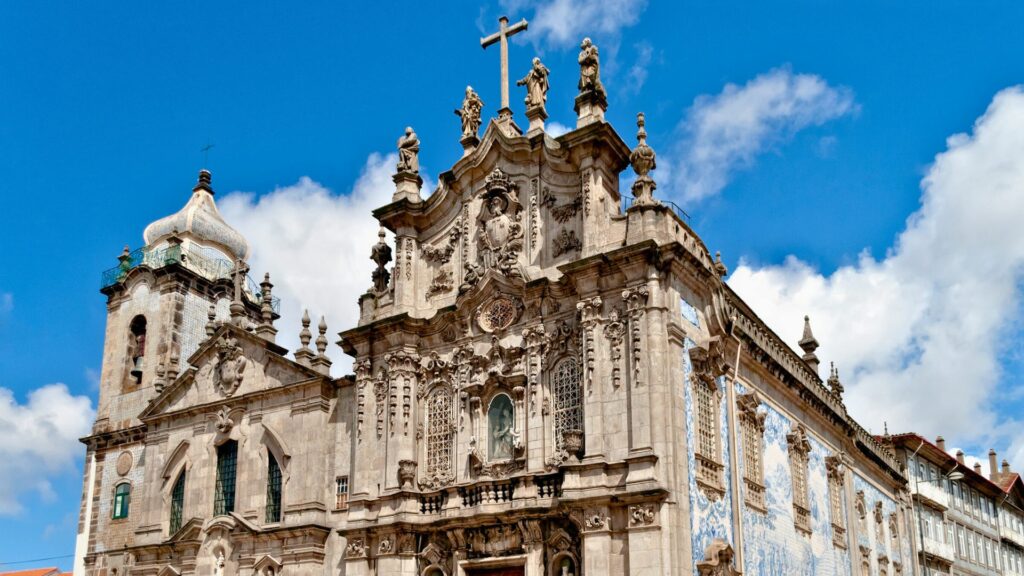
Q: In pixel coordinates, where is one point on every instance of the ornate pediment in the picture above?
(718, 560)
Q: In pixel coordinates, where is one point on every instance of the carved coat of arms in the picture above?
(229, 367)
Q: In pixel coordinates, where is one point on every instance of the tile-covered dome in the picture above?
(200, 221)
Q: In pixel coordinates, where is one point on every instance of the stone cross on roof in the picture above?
(501, 36)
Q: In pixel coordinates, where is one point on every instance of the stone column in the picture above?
(593, 384)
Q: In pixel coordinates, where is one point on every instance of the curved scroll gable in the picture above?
(275, 442)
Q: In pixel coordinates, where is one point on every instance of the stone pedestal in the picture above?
(469, 143)
(507, 124)
(590, 107)
(407, 186)
(536, 115)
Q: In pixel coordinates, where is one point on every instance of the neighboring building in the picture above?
(51, 571)
(970, 526)
(545, 383)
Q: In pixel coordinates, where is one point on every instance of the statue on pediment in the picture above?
(590, 68)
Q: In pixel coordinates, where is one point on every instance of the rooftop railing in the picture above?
(205, 266)
(627, 203)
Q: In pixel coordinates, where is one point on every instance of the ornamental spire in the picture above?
(304, 355)
(266, 328)
(322, 363)
(808, 343)
(643, 160)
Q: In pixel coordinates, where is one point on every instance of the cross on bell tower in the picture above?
(501, 37)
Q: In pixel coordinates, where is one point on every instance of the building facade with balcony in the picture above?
(544, 382)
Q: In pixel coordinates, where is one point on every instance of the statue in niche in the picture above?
(536, 82)
(409, 152)
(496, 232)
(218, 568)
(590, 68)
(470, 112)
(381, 255)
(501, 422)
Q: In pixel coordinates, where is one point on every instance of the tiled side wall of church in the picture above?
(117, 533)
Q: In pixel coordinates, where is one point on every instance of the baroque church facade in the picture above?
(550, 377)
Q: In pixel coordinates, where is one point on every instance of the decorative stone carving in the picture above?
(228, 373)
(406, 543)
(862, 510)
(572, 440)
(636, 304)
(614, 332)
(596, 519)
(380, 394)
(565, 212)
(356, 548)
(406, 473)
(124, 463)
(590, 316)
(500, 233)
(409, 152)
(535, 343)
(590, 68)
(566, 242)
(385, 546)
(718, 557)
(443, 254)
(361, 368)
(441, 283)
(224, 421)
(494, 540)
(641, 514)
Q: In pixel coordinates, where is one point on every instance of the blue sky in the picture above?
(784, 128)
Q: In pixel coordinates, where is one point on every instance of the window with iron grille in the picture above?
(439, 433)
(707, 420)
(177, 503)
(122, 498)
(568, 404)
(273, 489)
(799, 452)
(227, 464)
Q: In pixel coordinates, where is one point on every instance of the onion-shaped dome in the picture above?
(200, 222)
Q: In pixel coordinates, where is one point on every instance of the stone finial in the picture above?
(808, 343)
(322, 363)
(833, 381)
(643, 160)
(266, 328)
(204, 182)
(407, 179)
(720, 268)
(237, 308)
(211, 321)
(304, 355)
(381, 255)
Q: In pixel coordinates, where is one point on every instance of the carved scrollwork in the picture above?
(641, 514)
(356, 548)
(590, 316)
(565, 242)
(636, 304)
(614, 332)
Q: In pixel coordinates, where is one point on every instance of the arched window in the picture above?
(227, 464)
(501, 426)
(273, 489)
(122, 498)
(439, 433)
(177, 502)
(567, 399)
(137, 346)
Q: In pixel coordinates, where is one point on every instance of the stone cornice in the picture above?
(113, 438)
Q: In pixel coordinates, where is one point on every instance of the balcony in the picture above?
(205, 266)
(939, 550)
(931, 493)
(1010, 536)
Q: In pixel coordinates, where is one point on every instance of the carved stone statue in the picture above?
(590, 68)
(536, 82)
(470, 113)
(381, 255)
(717, 560)
(218, 568)
(500, 234)
(409, 152)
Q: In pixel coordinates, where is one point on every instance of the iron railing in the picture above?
(205, 266)
(627, 203)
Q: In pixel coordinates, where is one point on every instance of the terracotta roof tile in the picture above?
(51, 571)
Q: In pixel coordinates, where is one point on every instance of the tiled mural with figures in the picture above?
(772, 544)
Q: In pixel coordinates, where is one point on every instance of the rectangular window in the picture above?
(227, 463)
(961, 546)
(341, 492)
(971, 549)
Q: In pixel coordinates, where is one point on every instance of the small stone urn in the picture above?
(572, 441)
(407, 473)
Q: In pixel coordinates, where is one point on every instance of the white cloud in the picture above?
(638, 71)
(723, 133)
(564, 23)
(39, 439)
(316, 246)
(556, 129)
(918, 334)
